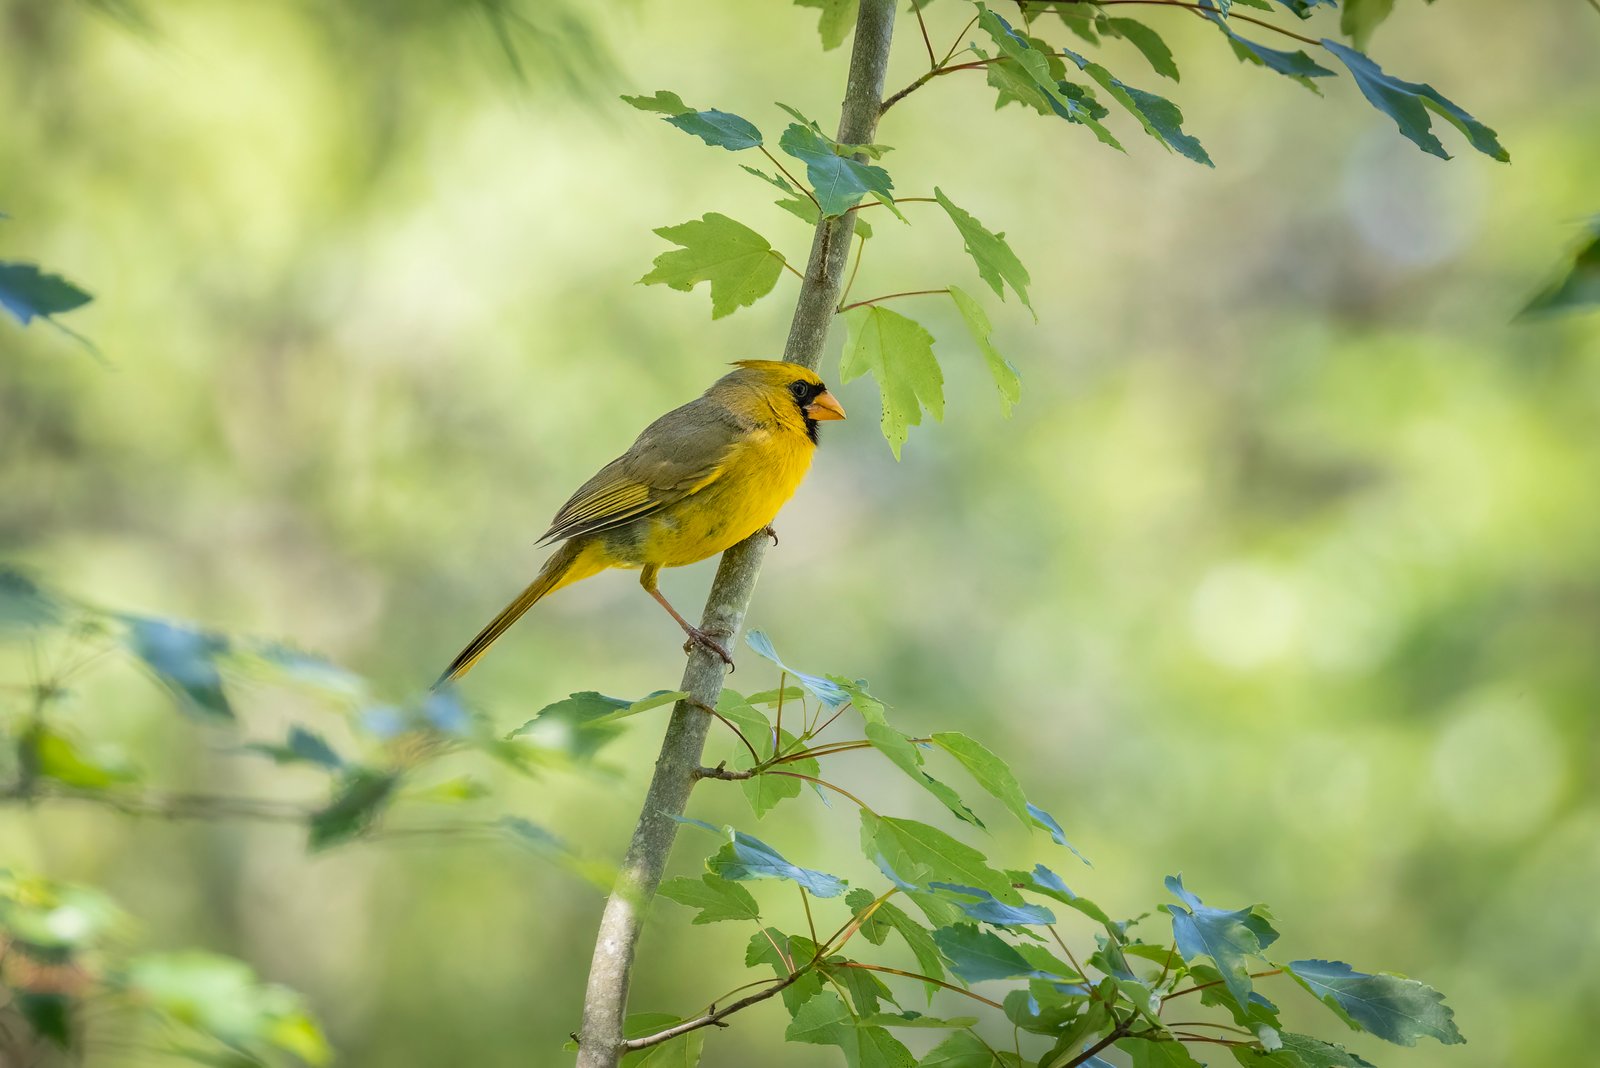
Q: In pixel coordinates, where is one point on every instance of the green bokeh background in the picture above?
(1285, 573)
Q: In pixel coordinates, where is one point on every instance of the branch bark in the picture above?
(600, 1043)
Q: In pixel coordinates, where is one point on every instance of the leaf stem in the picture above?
(862, 247)
(1241, 16)
(911, 200)
(1214, 982)
(923, 978)
(702, 706)
(711, 1019)
(916, 9)
(824, 782)
(805, 900)
(785, 264)
(797, 183)
(891, 296)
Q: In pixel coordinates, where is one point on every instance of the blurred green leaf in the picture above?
(1148, 42)
(29, 293)
(302, 747)
(715, 897)
(1394, 1008)
(185, 659)
(49, 1015)
(825, 1021)
(997, 264)
(1358, 18)
(976, 955)
(738, 262)
(1305, 8)
(838, 182)
(584, 722)
(222, 998)
(60, 758)
(359, 799)
(1228, 938)
(1005, 375)
(837, 17)
(24, 604)
(1408, 104)
(51, 921)
(1578, 288)
(898, 353)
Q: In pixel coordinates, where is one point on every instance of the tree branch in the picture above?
(601, 1044)
(710, 1019)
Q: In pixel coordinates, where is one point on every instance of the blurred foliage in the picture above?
(1282, 571)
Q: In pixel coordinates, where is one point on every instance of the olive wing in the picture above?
(677, 455)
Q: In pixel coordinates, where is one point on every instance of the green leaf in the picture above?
(1046, 1008)
(1006, 379)
(763, 949)
(1304, 8)
(1228, 938)
(748, 857)
(1300, 1051)
(981, 905)
(718, 129)
(184, 658)
(221, 997)
(24, 604)
(838, 182)
(302, 747)
(905, 755)
(715, 897)
(888, 917)
(360, 798)
(1047, 822)
(1408, 104)
(1394, 1008)
(59, 758)
(997, 264)
(1157, 1054)
(988, 770)
(765, 790)
(914, 854)
(1296, 65)
(681, 1052)
(976, 955)
(825, 1021)
(806, 210)
(50, 922)
(661, 102)
(1579, 287)
(866, 991)
(29, 293)
(738, 710)
(1042, 880)
(899, 354)
(584, 722)
(1148, 42)
(49, 1015)
(1159, 116)
(966, 1050)
(738, 262)
(830, 693)
(838, 16)
(1358, 18)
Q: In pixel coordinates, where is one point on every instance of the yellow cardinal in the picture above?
(699, 480)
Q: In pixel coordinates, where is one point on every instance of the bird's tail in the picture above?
(569, 564)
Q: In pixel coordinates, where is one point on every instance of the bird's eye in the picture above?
(798, 390)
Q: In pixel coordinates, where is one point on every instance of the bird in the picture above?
(697, 481)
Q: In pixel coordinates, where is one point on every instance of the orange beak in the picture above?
(824, 407)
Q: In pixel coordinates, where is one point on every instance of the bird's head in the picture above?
(789, 389)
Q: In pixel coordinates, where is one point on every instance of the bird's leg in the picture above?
(647, 579)
(770, 532)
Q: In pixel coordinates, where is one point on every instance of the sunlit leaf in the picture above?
(1579, 287)
(913, 854)
(836, 19)
(966, 1050)
(62, 759)
(1001, 369)
(1358, 18)
(738, 262)
(898, 353)
(1394, 1008)
(661, 102)
(997, 264)
(988, 770)
(824, 1020)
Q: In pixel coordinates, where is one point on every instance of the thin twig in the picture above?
(909, 200)
(164, 805)
(892, 296)
(1204, 1023)
(711, 1019)
(702, 706)
(919, 976)
(824, 782)
(835, 942)
(1241, 16)
(916, 8)
(861, 247)
(785, 264)
(805, 900)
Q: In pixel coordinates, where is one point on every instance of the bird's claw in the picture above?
(708, 643)
(770, 532)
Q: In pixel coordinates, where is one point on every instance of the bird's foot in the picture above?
(770, 532)
(706, 642)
